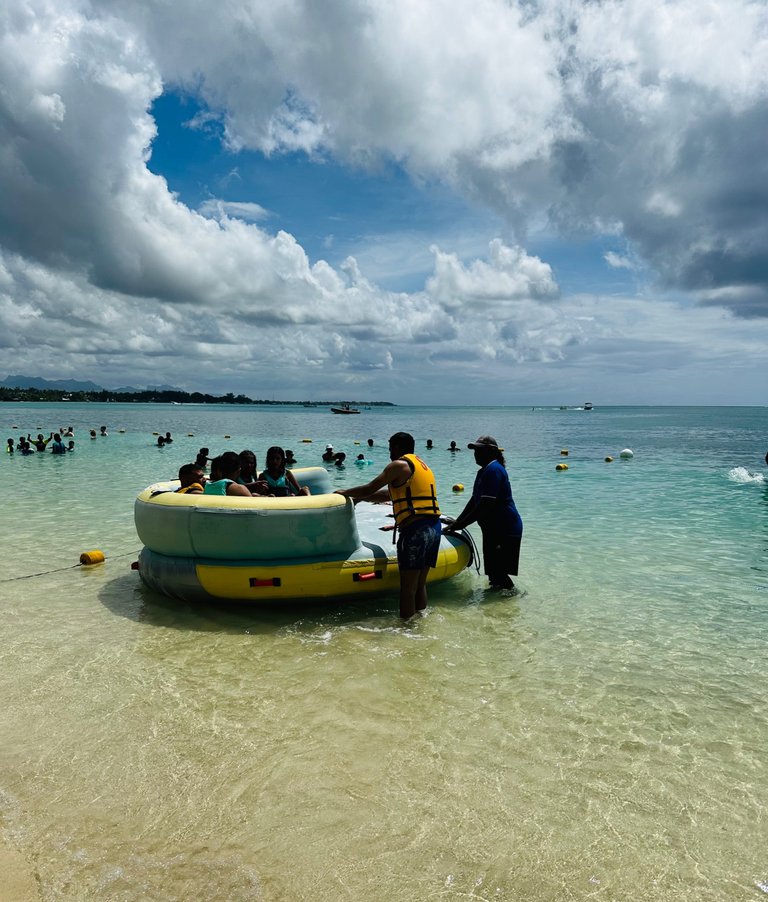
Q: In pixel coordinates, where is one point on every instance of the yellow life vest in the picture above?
(194, 487)
(417, 497)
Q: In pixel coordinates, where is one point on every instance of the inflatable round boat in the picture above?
(308, 547)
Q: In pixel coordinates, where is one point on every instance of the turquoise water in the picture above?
(599, 734)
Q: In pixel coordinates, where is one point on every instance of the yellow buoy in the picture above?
(458, 487)
(561, 467)
(357, 443)
(92, 557)
(564, 452)
(155, 433)
(608, 460)
(305, 440)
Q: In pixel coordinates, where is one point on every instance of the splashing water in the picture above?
(742, 475)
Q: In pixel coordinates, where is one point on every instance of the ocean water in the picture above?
(599, 734)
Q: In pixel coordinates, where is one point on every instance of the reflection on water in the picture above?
(599, 735)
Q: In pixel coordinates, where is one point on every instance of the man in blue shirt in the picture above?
(493, 508)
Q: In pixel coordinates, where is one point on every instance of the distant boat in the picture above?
(345, 408)
(587, 405)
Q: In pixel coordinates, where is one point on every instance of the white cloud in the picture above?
(215, 208)
(508, 276)
(646, 120)
(617, 261)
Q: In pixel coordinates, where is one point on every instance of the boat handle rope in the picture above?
(474, 556)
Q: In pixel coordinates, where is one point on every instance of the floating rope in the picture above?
(12, 579)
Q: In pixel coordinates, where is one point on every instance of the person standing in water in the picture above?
(411, 486)
(58, 446)
(493, 507)
(40, 443)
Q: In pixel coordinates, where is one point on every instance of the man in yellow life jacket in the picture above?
(411, 486)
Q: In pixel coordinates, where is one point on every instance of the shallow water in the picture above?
(599, 734)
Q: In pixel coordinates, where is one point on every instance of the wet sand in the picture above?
(17, 881)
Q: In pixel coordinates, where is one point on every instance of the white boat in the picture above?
(587, 405)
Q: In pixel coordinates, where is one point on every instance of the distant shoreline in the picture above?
(48, 395)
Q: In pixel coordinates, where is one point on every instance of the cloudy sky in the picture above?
(423, 201)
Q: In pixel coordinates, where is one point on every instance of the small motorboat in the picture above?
(587, 405)
(345, 408)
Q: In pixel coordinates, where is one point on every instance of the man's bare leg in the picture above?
(413, 592)
(409, 585)
(421, 590)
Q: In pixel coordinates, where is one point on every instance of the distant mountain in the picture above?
(54, 384)
(74, 385)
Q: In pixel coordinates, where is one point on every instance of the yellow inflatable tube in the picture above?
(207, 547)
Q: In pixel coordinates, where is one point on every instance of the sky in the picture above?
(434, 202)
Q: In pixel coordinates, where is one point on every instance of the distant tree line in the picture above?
(157, 397)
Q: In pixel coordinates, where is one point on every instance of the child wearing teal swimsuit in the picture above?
(279, 480)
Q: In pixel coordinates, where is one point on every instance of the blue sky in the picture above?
(525, 203)
(334, 210)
